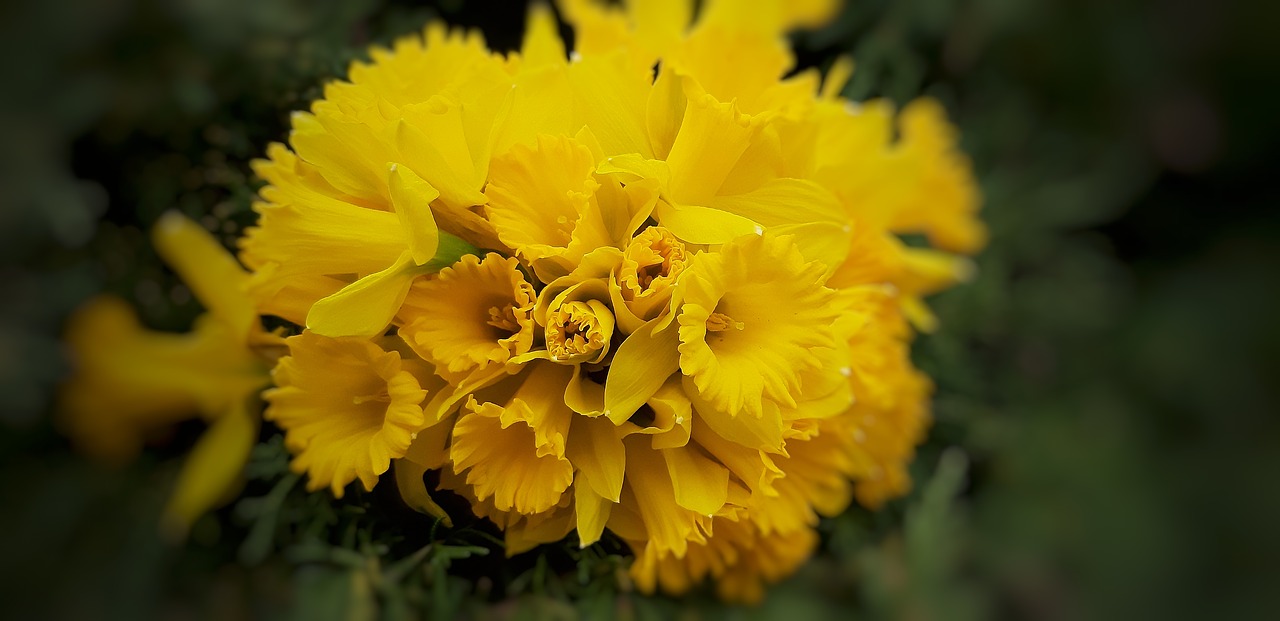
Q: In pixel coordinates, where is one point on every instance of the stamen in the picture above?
(380, 396)
(503, 319)
(720, 322)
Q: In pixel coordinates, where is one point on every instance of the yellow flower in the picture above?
(474, 314)
(579, 331)
(547, 203)
(347, 406)
(643, 281)
(738, 556)
(130, 382)
(515, 452)
(750, 316)
(945, 198)
(892, 413)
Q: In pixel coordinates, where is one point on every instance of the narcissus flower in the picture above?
(130, 382)
(652, 287)
(752, 316)
(347, 406)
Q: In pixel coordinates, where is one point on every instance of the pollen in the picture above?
(720, 322)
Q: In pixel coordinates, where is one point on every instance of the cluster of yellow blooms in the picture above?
(649, 286)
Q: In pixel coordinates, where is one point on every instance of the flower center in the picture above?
(382, 396)
(720, 322)
(504, 318)
(578, 331)
(650, 263)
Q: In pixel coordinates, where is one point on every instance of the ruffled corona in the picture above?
(347, 407)
(750, 318)
(650, 265)
(514, 452)
(471, 315)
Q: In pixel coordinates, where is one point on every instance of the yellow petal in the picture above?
(591, 512)
(755, 468)
(837, 77)
(597, 451)
(826, 243)
(365, 307)
(640, 366)
(701, 484)
(345, 153)
(930, 271)
(763, 432)
(664, 112)
(672, 415)
(670, 527)
(712, 136)
(785, 201)
(503, 461)
(211, 473)
(703, 225)
(584, 395)
(609, 97)
(413, 490)
(660, 24)
(633, 166)
(411, 198)
(542, 45)
(208, 269)
(428, 157)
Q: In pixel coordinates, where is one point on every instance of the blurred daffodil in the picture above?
(130, 383)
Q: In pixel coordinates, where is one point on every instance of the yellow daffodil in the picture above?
(473, 314)
(514, 452)
(130, 382)
(643, 281)
(348, 407)
(751, 316)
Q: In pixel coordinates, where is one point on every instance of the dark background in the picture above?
(1106, 439)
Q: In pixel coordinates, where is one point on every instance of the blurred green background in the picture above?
(1106, 436)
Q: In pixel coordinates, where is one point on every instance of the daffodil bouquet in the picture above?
(649, 286)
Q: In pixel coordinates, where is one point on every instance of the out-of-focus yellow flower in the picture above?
(130, 382)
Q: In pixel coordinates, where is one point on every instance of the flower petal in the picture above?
(365, 307)
(597, 451)
(701, 484)
(207, 268)
(591, 512)
(413, 490)
(640, 366)
(411, 198)
(211, 473)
